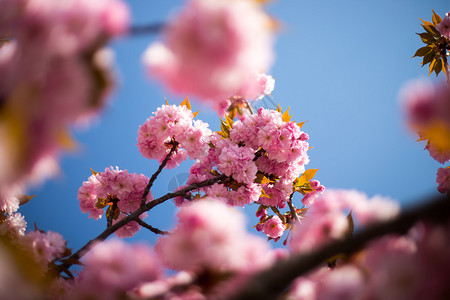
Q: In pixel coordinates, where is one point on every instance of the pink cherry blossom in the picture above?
(212, 44)
(113, 267)
(59, 75)
(444, 26)
(211, 235)
(443, 180)
(45, 246)
(273, 227)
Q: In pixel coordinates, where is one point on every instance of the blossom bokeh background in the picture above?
(338, 65)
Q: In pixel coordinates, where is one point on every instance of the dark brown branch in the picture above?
(151, 228)
(292, 209)
(146, 29)
(269, 284)
(135, 215)
(161, 167)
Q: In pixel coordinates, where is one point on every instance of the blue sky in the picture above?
(339, 65)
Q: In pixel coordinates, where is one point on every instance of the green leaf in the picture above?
(300, 124)
(306, 176)
(438, 66)
(431, 67)
(263, 194)
(427, 38)
(428, 58)
(229, 121)
(278, 108)
(286, 117)
(423, 51)
(25, 199)
(426, 22)
(93, 172)
(431, 29)
(186, 103)
(436, 18)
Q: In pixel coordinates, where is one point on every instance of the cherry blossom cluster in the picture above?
(262, 154)
(118, 190)
(392, 267)
(427, 107)
(384, 264)
(238, 104)
(213, 49)
(113, 268)
(335, 213)
(55, 73)
(173, 126)
(444, 26)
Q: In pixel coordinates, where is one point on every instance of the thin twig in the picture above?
(135, 215)
(151, 228)
(161, 167)
(146, 29)
(269, 284)
(109, 219)
(293, 211)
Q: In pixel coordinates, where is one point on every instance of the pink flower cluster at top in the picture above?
(54, 73)
(173, 122)
(428, 112)
(282, 147)
(265, 86)
(444, 26)
(211, 236)
(114, 267)
(213, 49)
(114, 185)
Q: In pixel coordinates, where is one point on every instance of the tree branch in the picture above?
(269, 284)
(135, 215)
(146, 29)
(161, 167)
(151, 228)
(293, 211)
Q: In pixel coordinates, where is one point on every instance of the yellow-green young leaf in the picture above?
(438, 66)
(431, 29)
(307, 176)
(66, 140)
(428, 58)
(196, 113)
(426, 22)
(351, 225)
(224, 128)
(427, 38)
(300, 124)
(423, 51)
(229, 121)
(436, 18)
(186, 103)
(93, 172)
(286, 117)
(431, 67)
(25, 199)
(265, 180)
(222, 134)
(278, 108)
(263, 194)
